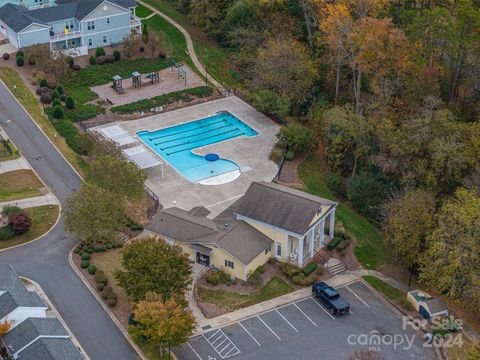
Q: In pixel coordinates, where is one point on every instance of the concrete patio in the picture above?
(250, 153)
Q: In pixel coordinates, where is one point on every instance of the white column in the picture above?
(332, 224)
(311, 240)
(287, 250)
(300, 252)
(322, 232)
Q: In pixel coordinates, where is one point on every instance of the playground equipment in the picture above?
(154, 77)
(181, 72)
(136, 79)
(117, 84)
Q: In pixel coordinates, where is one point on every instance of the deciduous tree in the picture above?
(152, 265)
(161, 322)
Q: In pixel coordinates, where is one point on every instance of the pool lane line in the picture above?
(197, 146)
(192, 135)
(204, 138)
(181, 132)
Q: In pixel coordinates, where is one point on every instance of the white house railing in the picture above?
(65, 36)
(135, 21)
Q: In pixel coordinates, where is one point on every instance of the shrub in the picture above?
(63, 97)
(93, 60)
(254, 278)
(270, 103)
(77, 250)
(289, 270)
(52, 84)
(20, 53)
(43, 83)
(111, 302)
(106, 292)
(20, 61)
(110, 58)
(86, 256)
(20, 223)
(6, 56)
(100, 277)
(142, 48)
(77, 67)
(39, 91)
(336, 184)
(60, 90)
(299, 279)
(85, 264)
(70, 61)
(56, 102)
(297, 138)
(12, 209)
(334, 242)
(276, 154)
(162, 54)
(100, 286)
(101, 60)
(6, 233)
(31, 60)
(90, 250)
(310, 268)
(117, 55)
(342, 245)
(55, 94)
(69, 102)
(58, 112)
(100, 52)
(290, 155)
(46, 98)
(92, 269)
(213, 278)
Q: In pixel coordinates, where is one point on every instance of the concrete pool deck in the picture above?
(250, 153)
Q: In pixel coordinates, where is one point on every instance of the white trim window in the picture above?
(90, 42)
(268, 249)
(91, 25)
(229, 264)
(278, 250)
(104, 39)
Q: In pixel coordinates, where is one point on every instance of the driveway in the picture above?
(306, 330)
(46, 260)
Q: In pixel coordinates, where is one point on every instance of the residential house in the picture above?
(73, 25)
(17, 303)
(40, 339)
(31, 4)
(269, 220)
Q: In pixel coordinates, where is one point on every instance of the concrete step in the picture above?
(334, 266)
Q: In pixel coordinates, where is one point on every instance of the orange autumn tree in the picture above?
(161, 322)
(5, 327)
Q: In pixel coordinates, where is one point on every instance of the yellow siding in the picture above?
(186, 249)
(317, 217)
(217, 259)
(277, 235)
(261, 259)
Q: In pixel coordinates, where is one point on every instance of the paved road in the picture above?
(46, 260)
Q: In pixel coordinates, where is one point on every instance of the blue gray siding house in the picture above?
(78, 24)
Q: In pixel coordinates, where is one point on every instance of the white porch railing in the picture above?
(65, 36)
(73, 52)
(135, 21)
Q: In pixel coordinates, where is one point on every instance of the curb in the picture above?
(43, 132)
(107, 310)
(58, 316)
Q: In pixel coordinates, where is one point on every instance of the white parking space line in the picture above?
(305, 315)
(218, 344)
(190, 346)
(248, 332)
(321, 307)
(268, 327)
(358, 297)
(288, 322)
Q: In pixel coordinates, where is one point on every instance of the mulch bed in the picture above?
(289, 171)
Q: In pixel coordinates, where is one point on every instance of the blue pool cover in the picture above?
(175, 144)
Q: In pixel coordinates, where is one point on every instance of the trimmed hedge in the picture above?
(85, 264)
(310, 268)
(161, 100)
(334, 242)
(92, 269)
(86, 256)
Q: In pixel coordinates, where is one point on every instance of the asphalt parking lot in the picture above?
(306, 330)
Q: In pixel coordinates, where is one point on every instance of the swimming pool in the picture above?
(175, 144)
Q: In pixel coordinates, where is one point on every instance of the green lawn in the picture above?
(397, 296)
(230, 300)
(141, 11)
(369, 248)
(43, 218)
(32, 105)
(212, 56)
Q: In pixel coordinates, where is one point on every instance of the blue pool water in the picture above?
(175, 144)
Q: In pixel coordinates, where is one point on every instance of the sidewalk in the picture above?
(262, 307)
(47, 199)
(12, 165)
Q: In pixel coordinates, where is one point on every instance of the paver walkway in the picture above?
(47, 199)
(12, 165)
(190, 47)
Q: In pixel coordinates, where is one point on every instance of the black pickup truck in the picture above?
(330, 298)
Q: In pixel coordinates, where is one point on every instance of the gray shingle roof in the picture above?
(280, 206)
(30, 329)
(179, 225)
(243, 242)
(16, 17)
(55, 13)
(85, 7)
(51, 349)
(7, 305)
(11, 283)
